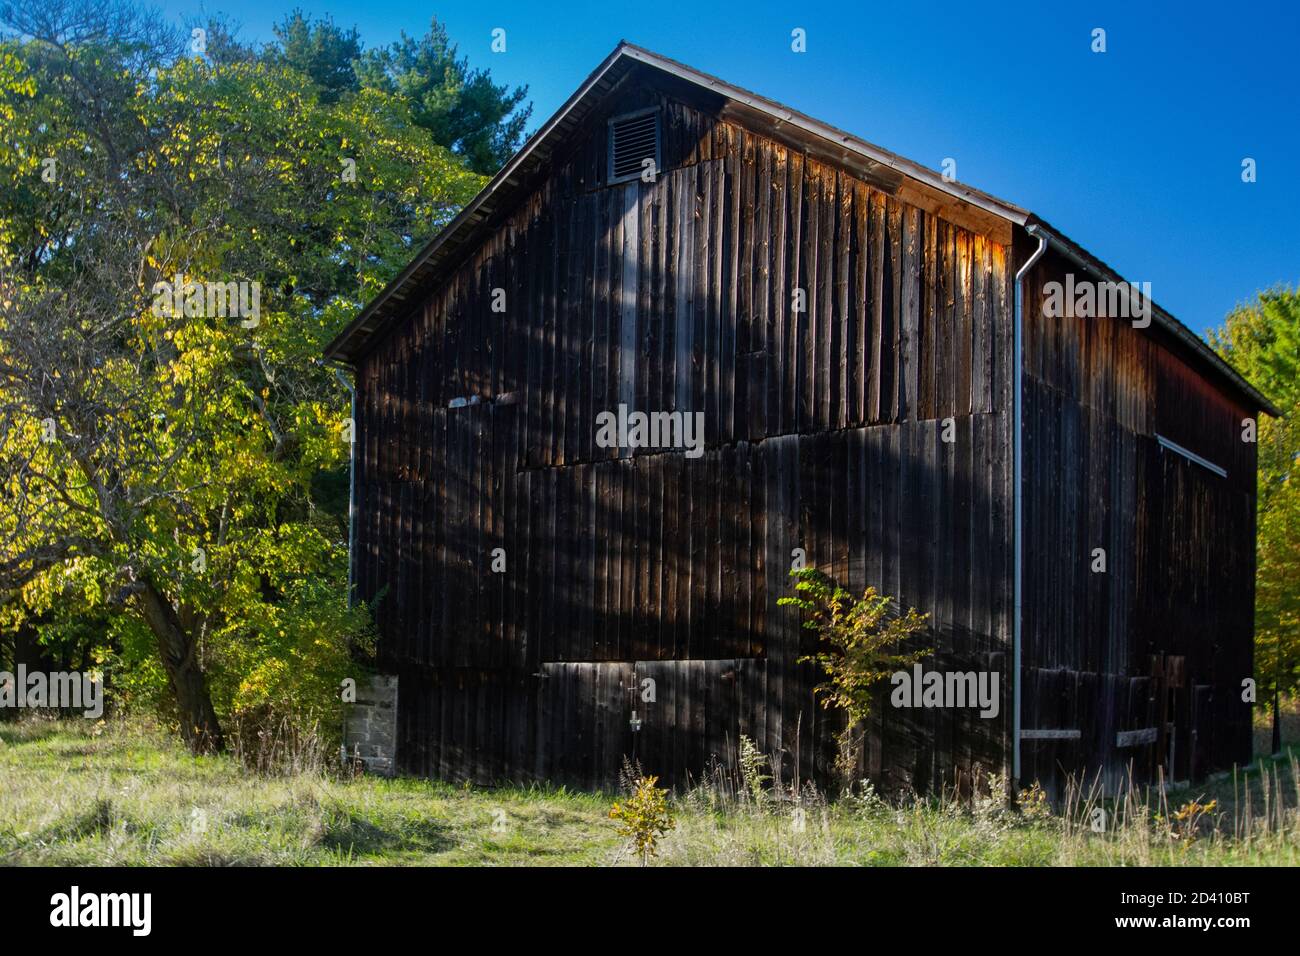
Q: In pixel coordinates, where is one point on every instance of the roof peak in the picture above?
(875, 165)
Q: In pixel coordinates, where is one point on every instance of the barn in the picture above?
(897, 378)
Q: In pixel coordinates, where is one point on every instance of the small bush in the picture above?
(860, 641)
(1184, 824)
(644, 817)
(1033, 803)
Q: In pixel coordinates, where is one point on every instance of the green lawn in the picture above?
(123, 794)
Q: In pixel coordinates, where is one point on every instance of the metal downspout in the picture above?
(1017, 494)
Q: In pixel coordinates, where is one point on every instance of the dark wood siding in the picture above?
(1164, 637)
(823, 432)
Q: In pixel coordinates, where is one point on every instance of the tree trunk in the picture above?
(199, 726)
(1277, 722)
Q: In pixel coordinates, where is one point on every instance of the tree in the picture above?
(159, 449)
(223, 43)
(460, 107)
(321, 50)
(1262, 340)
(463, 109)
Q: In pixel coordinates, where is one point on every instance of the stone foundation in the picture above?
(370, 724)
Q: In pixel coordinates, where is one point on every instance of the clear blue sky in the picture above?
(1135, 153)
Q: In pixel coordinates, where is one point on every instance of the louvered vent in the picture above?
(633, 139)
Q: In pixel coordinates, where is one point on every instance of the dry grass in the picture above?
(122, 793)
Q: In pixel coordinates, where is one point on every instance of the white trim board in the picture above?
(1191, 456)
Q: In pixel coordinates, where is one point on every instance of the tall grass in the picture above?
(125, 793)
(279, 746)
(1241, 818)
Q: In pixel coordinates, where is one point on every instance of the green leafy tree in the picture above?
(162, 466)
(321, 50)
(461, 107)
(223, 43)
(1262, 340)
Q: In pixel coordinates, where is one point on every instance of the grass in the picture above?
(122, 793)
(130, 796)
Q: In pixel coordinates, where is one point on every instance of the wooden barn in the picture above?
(871, 352)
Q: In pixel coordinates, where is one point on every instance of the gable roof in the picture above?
(894, 173)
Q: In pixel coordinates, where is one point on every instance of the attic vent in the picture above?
(633, 138)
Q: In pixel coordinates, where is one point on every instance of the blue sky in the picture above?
(1134, 153)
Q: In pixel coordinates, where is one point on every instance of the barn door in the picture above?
(582, 723)
(673, 719)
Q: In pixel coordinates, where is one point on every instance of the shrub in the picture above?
(644, 817)
(276, 672)
(859, 639)
(1184, 824)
